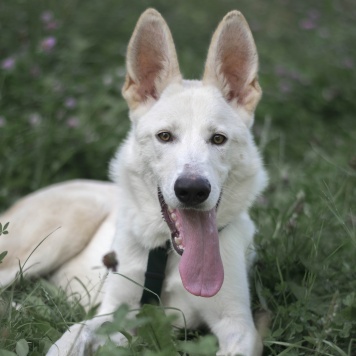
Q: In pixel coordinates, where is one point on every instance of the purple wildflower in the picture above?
(307, 24)
(70, 103)
(285, 87)
(8, 63)
(48, 44)
(310, 22)
(73, 122)
(47, 16)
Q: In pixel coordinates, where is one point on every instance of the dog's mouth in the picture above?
(194, 236)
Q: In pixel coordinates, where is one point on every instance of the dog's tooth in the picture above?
(178, 241)
(177, 225)
(170, 209)
(173, 217)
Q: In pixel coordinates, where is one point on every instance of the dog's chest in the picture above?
(174, 295)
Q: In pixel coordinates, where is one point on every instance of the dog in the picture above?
(189, 156)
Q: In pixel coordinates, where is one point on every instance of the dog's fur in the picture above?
(210, 281)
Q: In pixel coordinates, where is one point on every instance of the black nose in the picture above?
(192, 190)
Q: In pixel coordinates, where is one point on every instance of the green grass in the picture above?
(62, 117)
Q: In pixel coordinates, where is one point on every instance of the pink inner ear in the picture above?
(235, 61)
(149, 60)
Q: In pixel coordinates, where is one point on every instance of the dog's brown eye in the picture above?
(165, 136)
(218, 139)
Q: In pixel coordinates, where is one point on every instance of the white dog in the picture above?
(190, 156)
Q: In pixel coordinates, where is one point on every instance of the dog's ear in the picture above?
(232, 63)
(151, 60)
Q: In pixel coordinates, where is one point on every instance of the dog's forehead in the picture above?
(194, 102)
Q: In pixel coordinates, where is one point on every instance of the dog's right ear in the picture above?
(151, 61)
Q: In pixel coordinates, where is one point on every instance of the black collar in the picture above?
(155, 274)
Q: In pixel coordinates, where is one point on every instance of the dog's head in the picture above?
(193, 137)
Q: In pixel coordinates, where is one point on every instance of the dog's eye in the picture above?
(218, 139)
(165, 136)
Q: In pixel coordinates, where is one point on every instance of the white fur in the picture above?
(193, 111)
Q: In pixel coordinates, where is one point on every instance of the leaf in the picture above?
(6, 226)
(350, 300)
(111, 349)
(5, 232)
(2, 255)
(335, 347)
(157, 333)
(121, 323)
(22, 348)
(206, 346)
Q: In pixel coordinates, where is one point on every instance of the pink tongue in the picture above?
(200, 266)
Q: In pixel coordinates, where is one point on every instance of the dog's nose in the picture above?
(192, 190)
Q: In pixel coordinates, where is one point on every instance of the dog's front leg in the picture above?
(235, 329)
(82, 339)
(228, 314)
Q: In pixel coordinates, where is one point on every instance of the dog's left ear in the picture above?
(232, 63)
(151, 61)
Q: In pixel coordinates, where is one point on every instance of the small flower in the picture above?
(49, 21)
(8, 63)
(70, 103)
(310, 22)
(48, 44)
(2, 121)
(285, 87)
(73, 122)
(307, 24)
(47, 16)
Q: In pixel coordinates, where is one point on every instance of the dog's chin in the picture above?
(195, 237)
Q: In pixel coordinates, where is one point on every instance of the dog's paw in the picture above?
(248, 344)
(82, 340)
(76, 341)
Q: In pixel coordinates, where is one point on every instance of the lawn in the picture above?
(62, 117)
